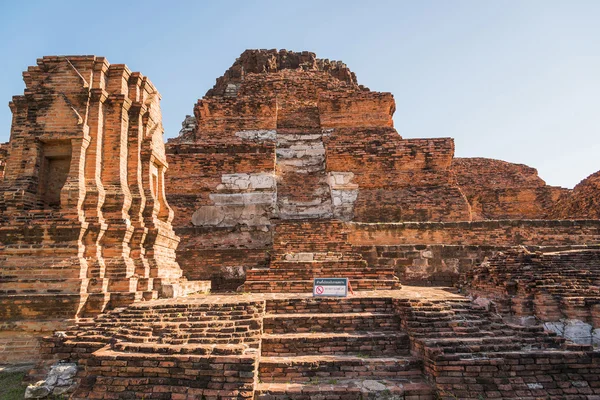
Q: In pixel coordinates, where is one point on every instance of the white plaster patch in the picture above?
(575, 330)
(247, 181)
(535, 386)
(528, 321)
(234, 214)
(261, 134)
(343, 194)
(427, 254)
(372, 386)
(243, 198)
(234, 272)
(60, 381)
(299, 257)
(341, 180)
(451, 265)
(483, 302)
(297, 210)
(283, 139)
(300, 151)
(342, 197)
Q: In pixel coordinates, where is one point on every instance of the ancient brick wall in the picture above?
(433, 265)
(469, 352)
(84, 222)
(502, 190)
(200, 350)
(542, 374)
(582, 202)
(386, 169)
(477, 233)
(223, 254)
(285, 135)
(438, 253)
(440, 264)
(558, 288)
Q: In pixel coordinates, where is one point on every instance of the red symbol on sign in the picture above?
(319, 289)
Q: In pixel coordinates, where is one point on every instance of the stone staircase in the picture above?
(403, 344)
(191, 347)
(315, 249)
(460, 326)
(547, 286)
(349, 348)
(470, 353)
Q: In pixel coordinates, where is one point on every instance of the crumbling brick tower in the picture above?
(285, 136)
(84, 223)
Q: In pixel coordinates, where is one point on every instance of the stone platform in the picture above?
(411, 343)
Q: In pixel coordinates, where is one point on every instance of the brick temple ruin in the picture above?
(472, 277)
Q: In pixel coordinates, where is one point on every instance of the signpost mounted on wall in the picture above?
(330, 287)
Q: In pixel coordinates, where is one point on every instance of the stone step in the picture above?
(226, 309)
(293, 211)
(202, 349)
(316, 305)
(332, 389)
(284, 139)
(306, 286)
(307, 368)
(346, 322)
(183, 338)
(39, 285)
(376, 343)
(44, 271)
(321, 264)
(267, 274)
(318, 257)
(192, 313)
(188, 319)
(477, 344)
(323, 246)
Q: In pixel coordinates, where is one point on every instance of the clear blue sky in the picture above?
(515, 80)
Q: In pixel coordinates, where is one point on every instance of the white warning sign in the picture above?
(335, 287)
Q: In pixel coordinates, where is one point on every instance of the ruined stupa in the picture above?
(472, 278)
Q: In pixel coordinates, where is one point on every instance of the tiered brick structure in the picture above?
(303, 250)
(405, 344)
(471, 353)
(286, 136)
(434, 253)
(165, 349)
(84, 222)
(501, 190)
(289, 170)
(560, 289)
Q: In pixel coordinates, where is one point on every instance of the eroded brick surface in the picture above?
(287, 136)
(308, 249)
(502, 190)
(413, 343)
(583, 202)
(560, 289)
(85, 224)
